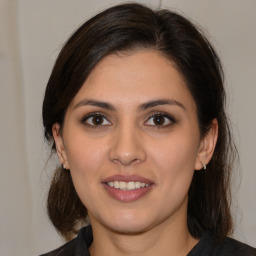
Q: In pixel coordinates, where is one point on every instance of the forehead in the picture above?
(130, 78)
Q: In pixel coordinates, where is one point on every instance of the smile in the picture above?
(127, 188)
(131, 185)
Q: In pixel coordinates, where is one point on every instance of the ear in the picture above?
(207, 146)
(60, 145)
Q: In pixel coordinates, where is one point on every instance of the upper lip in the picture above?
(127, 178)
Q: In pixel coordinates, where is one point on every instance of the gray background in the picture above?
(31, 35)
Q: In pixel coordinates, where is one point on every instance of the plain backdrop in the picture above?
(32, 33)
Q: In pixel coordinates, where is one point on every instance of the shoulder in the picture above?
(65, 250)
(76, 247)
(230, 246)
(225, 247)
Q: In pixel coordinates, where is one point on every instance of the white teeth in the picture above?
(137, 184)
(122, 185)
(111, 184)
(116, 184)
(131, 185)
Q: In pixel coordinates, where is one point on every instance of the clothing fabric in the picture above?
(205, 247)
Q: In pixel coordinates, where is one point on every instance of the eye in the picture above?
(160, 120)
(95, 120)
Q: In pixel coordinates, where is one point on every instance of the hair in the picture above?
(126, 28)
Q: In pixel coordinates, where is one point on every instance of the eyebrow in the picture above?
(96, 103)
(155, 103)
(142, 107)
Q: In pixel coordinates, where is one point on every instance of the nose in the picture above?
(127, 146)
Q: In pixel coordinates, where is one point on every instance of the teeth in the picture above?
(131, 185)
(122, 185)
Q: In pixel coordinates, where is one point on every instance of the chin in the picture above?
(129, 229)
(129, 224)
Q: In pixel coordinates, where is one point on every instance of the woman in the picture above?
(135, 108)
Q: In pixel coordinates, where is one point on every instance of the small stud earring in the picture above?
(204, 165)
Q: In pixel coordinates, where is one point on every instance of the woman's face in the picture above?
(131, 141)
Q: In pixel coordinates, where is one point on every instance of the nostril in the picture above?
(126, 161)
(126, 147)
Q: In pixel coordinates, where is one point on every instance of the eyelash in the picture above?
(169, 118)
(91, 115)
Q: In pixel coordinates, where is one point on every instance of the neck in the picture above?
(166, 239)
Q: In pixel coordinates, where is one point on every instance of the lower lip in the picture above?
(127, 195)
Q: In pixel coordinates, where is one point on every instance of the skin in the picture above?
(161, 143)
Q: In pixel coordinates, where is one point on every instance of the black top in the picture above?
(205, 247)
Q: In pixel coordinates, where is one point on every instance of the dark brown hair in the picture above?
(128, 27)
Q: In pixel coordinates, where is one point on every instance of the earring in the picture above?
(63, 167)
(204, 165)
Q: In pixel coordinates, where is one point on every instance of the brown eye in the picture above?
(160, 120)
(96, 120)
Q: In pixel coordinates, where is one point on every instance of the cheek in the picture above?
(86, 160)
(85, 157)
(175, 159)
(175, 167)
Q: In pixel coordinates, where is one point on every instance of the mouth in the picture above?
(127, 188)
(131, 185)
